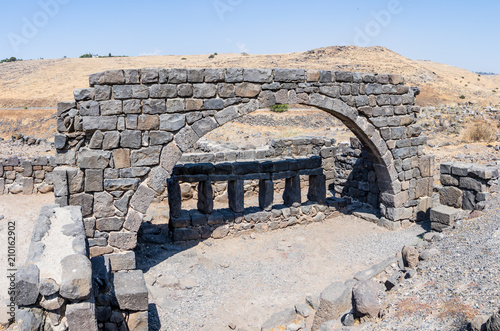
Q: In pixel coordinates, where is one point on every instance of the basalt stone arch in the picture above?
(120, 139)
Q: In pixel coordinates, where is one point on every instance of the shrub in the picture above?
(244, 54)
(281, 108)
(11, 59)
(184, 58)
(479, 130)
(86, 56)
(211, 56)
(462, 96)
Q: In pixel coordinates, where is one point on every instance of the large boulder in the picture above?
(365, 299)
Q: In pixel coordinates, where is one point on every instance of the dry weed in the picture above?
(456, 309)
(479, 130)
(412, 306)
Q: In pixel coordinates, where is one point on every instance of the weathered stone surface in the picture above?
(48, 287)
(317, 189)
(94, 180)
(236, 195)
(148, 122)
(122, 261)
(444, 215)
(292, 192)
(27, 285)
(204, 126)
(205, 197)
(109, 224)
(138, 321)
(122, 184)
(93, 159)
(76, 281)
(280, 320)
(266, 194)
(86, 201)
(472, 184)
(170, 154)
(131, 139)
(450, 196)
(148, 156)
(103, 205)
(493, 323)
(334, 300)
(186, 138)
(374, 270)
(121, 158)
(247, 90)
(410, 256)
(122, 240)
(131, 291)
(133, 220)
(81, 316)
(172, 122)
(258, 75)
(365, 299)
(142, 199)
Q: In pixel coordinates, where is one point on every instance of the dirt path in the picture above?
(244, 280)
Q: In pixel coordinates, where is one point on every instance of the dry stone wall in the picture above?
(26, 176)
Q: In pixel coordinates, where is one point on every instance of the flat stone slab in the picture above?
(444, 214)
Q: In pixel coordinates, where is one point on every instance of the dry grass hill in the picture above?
(42, 83)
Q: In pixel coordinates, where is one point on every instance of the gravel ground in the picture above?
(460, 282)
(244, 280)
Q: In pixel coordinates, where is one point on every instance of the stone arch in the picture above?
(120, 139)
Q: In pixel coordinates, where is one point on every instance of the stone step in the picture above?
(444, 216)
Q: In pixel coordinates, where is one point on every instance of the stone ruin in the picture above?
(465, 187)
(120, 140)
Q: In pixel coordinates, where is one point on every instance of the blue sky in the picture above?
(460, 33)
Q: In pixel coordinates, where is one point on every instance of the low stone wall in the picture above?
(26, 176)
(60, 288)
(465, 187)
(54, 288)
(349, 171)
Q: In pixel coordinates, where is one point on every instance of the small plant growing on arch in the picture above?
(280, 108)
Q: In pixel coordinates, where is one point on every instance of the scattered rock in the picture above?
(279, 320)
(478, 323)
(493, 323)
(410, 256)
(303, 309)
(365, 299)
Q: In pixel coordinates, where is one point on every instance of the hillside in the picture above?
(42, 83)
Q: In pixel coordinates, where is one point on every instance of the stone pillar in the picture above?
(317, 189)
(174, 197)
(292, 191)
(236, 195)
(205, 197)
(266, 194)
